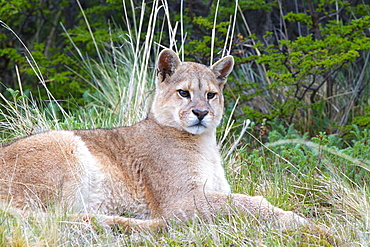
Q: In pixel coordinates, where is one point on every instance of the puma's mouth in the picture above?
(199, 124)
(196, 128)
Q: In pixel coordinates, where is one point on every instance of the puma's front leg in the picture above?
(211, 204)
(127, 224)
(262, 209)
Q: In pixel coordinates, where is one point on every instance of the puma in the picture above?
(166, 167)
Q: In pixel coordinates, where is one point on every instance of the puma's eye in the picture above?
(211, 95)
(184, 94)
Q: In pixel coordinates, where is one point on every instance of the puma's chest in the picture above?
(210, 171)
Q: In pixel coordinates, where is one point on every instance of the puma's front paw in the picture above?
(289, 220)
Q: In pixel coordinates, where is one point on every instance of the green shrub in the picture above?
(307, 79)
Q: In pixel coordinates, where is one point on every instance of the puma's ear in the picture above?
(167, 63)
(223, 68)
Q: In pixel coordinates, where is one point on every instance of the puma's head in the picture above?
(189, 95)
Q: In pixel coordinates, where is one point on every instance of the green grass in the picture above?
(318, 179)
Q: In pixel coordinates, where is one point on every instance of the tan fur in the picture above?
(166, 167)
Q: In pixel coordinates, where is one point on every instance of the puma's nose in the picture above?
(200, 114)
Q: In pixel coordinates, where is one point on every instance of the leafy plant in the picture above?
(298, 78)
(364, 119)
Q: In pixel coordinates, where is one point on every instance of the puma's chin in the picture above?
(196, 129)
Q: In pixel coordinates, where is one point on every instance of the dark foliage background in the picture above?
(304, 62)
